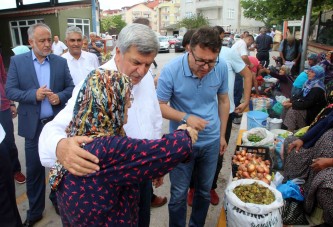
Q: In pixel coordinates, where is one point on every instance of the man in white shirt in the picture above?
(241, 47)
(80, 63)
(136, 49)
(58, 47)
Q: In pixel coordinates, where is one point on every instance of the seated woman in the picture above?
(311, 158)
(303, 76)
(110, 197)
(282, 85)
(302, 109)
(326, 61)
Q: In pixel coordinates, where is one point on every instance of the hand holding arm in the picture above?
(74, 158)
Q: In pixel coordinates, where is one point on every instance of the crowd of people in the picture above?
(99, 127)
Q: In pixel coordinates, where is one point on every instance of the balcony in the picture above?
(208, 4)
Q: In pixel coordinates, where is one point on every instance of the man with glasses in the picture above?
(196, 85)
(80, 63)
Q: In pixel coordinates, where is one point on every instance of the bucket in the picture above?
(256, 119)
(274, 123)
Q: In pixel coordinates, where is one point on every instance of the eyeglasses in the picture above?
(202, 63)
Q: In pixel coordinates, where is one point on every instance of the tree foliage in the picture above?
(193, 22)
(112, 24)
(273, 12)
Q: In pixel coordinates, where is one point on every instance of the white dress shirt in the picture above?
(58, 48)
(144, 118)
(81, 67)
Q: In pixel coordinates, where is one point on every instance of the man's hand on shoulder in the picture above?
(75, 159)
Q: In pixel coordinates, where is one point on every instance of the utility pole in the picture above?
(306, 34)
(93, 13)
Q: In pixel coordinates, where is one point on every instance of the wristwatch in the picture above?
(184, 120)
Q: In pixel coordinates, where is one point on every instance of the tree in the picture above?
(196, 21)
(112, 24)
(273, 12)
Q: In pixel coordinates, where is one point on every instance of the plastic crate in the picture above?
(262, 152)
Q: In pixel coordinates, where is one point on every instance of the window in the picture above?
(231, 13)
(188, 14)
(84, 24)
(19, 31)
(324, 28)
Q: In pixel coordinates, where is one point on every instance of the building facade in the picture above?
(226, 13)
(58, 16)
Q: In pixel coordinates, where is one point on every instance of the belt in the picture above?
(44, 121)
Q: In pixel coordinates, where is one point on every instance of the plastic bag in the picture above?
(293, 213)
(290, 190)
(249, 214)
(268, 137)
(261, 103)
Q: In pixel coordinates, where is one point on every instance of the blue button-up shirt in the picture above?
(43, 75)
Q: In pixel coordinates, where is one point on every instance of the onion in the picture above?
(246, 174)
(250, 168)
(260, 169)
(243, 153)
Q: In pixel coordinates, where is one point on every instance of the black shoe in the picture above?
(29, 223)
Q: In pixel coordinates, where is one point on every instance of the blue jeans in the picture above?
(205, 160)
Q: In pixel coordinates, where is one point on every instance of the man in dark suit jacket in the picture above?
(42, 84)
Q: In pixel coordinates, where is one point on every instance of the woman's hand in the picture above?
(297, 144)
(193, 133)
(319, 164)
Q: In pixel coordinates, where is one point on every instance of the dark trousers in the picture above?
(220, 159)
(7, 124)
(9, 214)
(144, 204)
(263, 57)
(35, 177)
(238, 89)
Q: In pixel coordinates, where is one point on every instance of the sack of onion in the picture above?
(240, 213)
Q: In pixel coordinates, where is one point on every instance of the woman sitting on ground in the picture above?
(302, 109)
(326, 61)
(110, 197)
(282, 85)
(311, 158)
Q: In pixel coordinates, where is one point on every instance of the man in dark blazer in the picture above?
(41, 83)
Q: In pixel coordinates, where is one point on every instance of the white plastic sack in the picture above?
(239, 213)
(271, 80)
(268, 137)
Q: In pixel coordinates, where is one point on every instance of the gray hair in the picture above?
(73, 29)
(32, 28)
(140, 36)
(93, 33)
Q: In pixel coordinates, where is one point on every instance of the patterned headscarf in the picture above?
(317, 81)
(100, 105)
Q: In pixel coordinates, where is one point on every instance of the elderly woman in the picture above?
(311, 158)
(110, 197)
(302, 109)
(326, 61)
